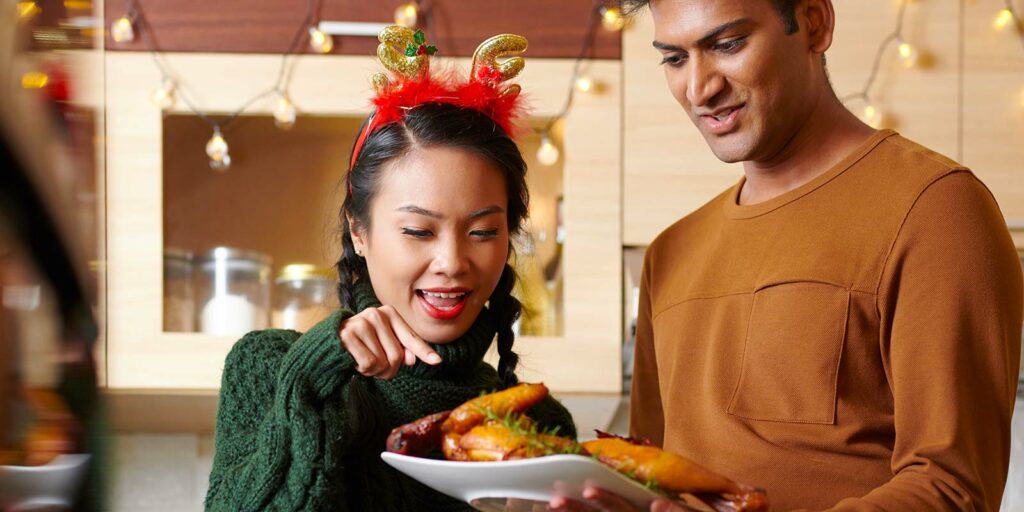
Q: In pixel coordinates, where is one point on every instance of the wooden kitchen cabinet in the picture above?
(160, 193)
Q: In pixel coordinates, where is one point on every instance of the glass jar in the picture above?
(233, 291)
(302, 296)
(179, 297)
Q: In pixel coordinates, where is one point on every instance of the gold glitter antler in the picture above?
(487, 67)
(393, 53)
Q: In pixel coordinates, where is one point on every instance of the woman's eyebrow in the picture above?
(489, 210)
(419, 211)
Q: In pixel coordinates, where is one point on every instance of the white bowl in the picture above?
(25, 488)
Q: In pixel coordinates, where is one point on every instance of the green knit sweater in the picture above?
(294, 433)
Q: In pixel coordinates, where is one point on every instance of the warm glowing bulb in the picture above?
(34, 80)
(872, 116)
(1003, 19)
(217, 150)
(163, 96)
(585, 84)
(284, 114)
(547, 153)
(612, 19)
(27, 10)
(320, 41)
(121, 30)
(908, 54)
(406, 15)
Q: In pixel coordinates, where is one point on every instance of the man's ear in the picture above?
(820, 19)
(358, 234)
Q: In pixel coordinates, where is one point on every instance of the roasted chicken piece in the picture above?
(489, 427)
(502, 441)
(675, 474)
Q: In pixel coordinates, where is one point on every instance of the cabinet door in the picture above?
(162, 195)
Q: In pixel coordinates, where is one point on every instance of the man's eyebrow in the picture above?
(419, 211)
(717, 31)
(665, 47)
(703, 41)
(489, 210)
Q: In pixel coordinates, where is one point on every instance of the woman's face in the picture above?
(438, 239)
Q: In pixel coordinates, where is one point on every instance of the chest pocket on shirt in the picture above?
(791, 356)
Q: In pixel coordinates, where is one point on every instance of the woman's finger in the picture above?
(394, 352)
(563, 504)
(608, 501)
(368, 337)
(352, 344)
(409, 339)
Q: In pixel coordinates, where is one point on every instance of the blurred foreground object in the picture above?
(49, 421)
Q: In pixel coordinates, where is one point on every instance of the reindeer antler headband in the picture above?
(407, 55)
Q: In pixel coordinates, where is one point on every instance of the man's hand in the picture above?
(380, 342)
(600, 500)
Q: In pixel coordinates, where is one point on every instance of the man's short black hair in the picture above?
(785, 8)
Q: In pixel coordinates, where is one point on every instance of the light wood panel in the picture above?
(141, 356)
(669, 170)
(994, 106)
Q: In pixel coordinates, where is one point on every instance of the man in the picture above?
(842, 327)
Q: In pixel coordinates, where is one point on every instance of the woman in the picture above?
(435, 192)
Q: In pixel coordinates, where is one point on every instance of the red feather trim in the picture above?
(482, 93)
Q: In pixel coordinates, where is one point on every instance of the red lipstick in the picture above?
(443, 303)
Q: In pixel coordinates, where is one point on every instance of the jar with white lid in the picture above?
(233, 290)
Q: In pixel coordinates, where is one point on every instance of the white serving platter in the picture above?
(519, 484)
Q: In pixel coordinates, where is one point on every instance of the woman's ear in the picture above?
(357, 233)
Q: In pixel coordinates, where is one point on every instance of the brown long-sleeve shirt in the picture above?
(851, 344)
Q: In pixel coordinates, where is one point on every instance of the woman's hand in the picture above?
(380, 341)
(600, 500)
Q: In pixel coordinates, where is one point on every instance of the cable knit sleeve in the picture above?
(269, 446)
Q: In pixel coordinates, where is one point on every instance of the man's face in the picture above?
(744, 81)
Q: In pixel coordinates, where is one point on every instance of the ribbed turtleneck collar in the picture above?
(458, 357)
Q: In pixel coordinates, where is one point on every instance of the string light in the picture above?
(872, 115)
(320, 41)
(163, 96)
(407, 15)
(585, 84)
(1003, 19)
(217, 150)
(121, 30)
(1007, 17)
(284, 114)
(217, 147)
(612, 19)
(908, 54)
(547, 153)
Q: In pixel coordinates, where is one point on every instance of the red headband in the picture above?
(407, 55)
